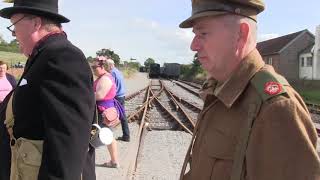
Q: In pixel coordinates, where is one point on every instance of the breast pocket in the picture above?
(220, 149)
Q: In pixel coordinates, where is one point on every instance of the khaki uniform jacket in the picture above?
(282, 144)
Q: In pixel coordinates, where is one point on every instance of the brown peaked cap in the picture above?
(203, 8)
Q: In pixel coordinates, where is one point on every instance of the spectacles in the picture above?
(12, 30)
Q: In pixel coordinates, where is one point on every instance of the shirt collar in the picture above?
(229, 91)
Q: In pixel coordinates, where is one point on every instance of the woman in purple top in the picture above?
(108, 108)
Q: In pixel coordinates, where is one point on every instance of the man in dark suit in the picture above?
(53, 105)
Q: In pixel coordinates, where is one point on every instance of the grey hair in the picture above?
(48, 24)
(232, 21)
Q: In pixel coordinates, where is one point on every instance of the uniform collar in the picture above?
(229, 91)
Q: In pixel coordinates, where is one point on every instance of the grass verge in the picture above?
(312, 96)
(12, 58)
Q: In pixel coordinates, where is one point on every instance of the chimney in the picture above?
(316, 55)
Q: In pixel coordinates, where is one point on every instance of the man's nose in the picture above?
(195, 44)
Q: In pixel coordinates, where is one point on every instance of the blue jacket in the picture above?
(119, 80)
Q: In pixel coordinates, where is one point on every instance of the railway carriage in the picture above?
(171, 70)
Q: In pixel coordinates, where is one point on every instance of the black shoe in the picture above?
(126, 139)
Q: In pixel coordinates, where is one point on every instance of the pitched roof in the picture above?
(308, 49)
(273, 46)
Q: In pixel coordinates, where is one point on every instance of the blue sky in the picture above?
(149, 28)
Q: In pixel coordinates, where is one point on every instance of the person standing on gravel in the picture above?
(109, 109)
(120, 96)
(254, 125)
(49, 115)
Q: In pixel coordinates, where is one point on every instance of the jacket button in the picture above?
(24, 155)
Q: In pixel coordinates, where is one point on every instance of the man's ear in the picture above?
(243, 35)
(37, 23)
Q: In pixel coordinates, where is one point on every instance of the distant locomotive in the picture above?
(154, 71)
(171, 70)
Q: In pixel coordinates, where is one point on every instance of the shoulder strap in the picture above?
(269, 85)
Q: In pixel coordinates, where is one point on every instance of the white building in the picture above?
(309, 60)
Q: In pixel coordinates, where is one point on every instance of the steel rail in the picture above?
(186, 88)
(187, 103)
(172, 115)
(148, 100)
(134, 148)
(190, 120)
(132, 95)
(195, 85)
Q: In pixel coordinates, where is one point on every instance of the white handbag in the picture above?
(100, 136)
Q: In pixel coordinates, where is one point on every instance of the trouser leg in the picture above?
(14, 161)
(89, 167)
(124, 121)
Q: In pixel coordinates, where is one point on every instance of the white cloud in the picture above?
(185, 35)
(264, 37)
(145, 38)
(145, 23)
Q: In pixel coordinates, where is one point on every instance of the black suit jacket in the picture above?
(54, 101)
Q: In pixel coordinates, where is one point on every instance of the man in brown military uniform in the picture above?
(254, 126)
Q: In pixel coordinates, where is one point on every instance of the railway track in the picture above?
(164, 112)
(194, 91)
(184, 94)
(135, 104)
(160, 110)
(192, 84)
(188, 108)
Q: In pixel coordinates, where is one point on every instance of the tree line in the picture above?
(187, 70)
(11, 46)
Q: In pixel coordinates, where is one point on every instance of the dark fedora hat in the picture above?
(43, 8)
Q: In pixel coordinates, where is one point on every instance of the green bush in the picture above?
(128, 72)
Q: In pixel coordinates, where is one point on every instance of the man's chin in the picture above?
(22, 51)
(204, 68)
